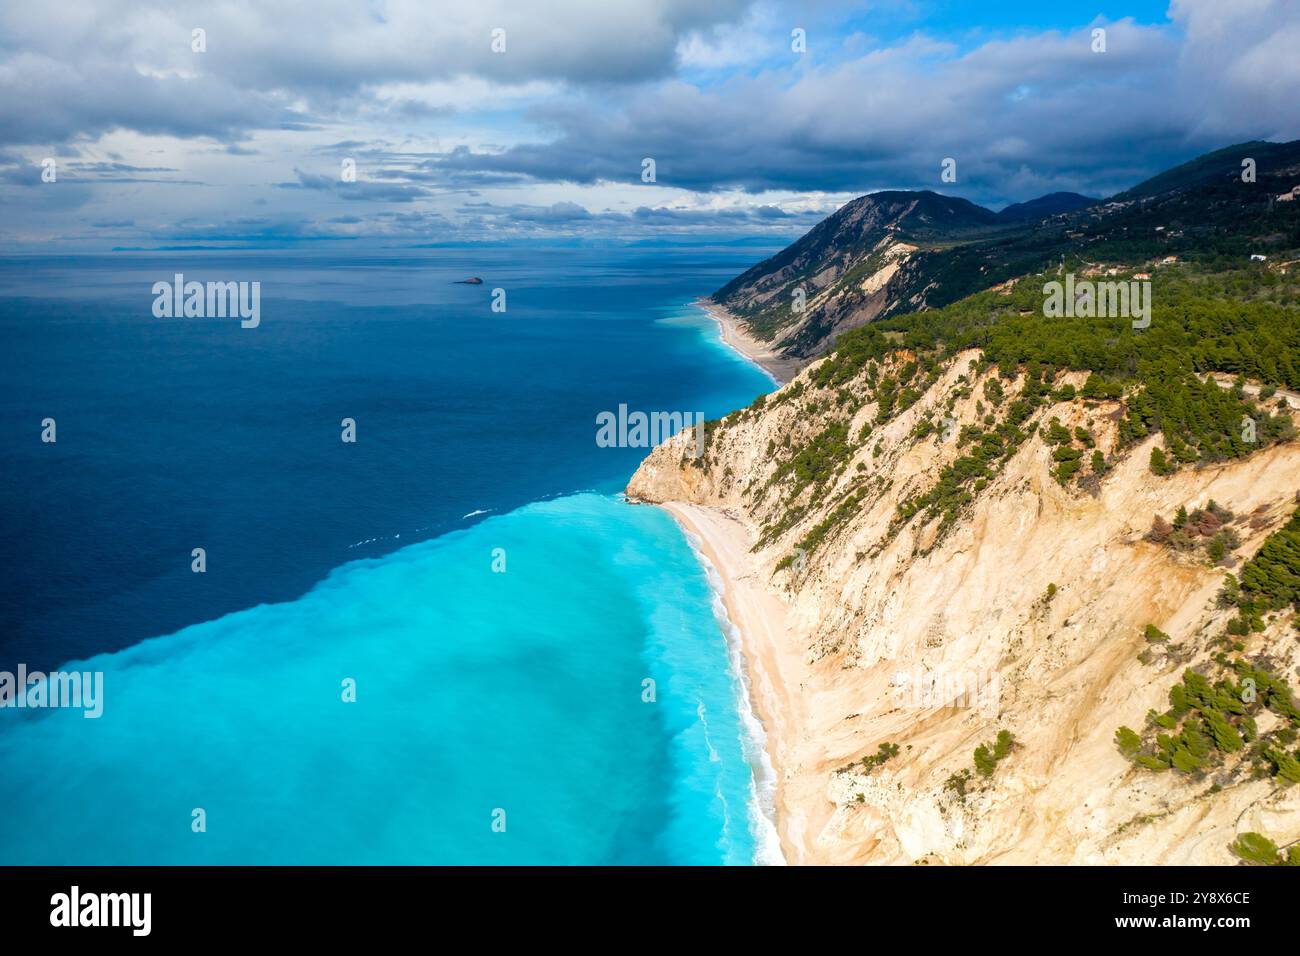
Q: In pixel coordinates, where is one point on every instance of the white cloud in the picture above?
(559, 124)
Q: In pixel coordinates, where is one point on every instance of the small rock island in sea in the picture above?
(472, 280)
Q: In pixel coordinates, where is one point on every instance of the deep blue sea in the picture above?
(465, 569)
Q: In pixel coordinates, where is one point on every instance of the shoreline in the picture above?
(759, 617)
(780, 368)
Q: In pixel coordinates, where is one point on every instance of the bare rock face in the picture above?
(1024, 612)
(852, 268)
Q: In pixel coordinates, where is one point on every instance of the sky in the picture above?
(488, 120)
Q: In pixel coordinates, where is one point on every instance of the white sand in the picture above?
(774, 665)
(780, 367)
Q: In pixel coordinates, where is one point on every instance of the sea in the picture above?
(357, 584)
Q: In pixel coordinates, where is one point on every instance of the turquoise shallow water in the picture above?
(476, 691)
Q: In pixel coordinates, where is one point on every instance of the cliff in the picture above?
(1019, 601)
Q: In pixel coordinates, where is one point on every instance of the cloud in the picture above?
(358, 190)
(746, 135)
(51, 100)
(560, 212)
(1022, 116)
(96, 168)
(309, 181)
(379, 192)
(83, 68)
(571, 218)
(1239, 68)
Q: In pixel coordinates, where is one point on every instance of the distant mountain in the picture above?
(1222, 167)
(890, 253)
(845, 265)
(1044, 206)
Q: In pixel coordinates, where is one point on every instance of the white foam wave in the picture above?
(753, 742)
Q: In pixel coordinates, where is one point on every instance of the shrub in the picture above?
(1208, 721)
(1057, 434)
(1160, 530)
(1128, 741)
(1256, 849)
(1154, 635)
(883, 753)
(957, 783)
(987, 756)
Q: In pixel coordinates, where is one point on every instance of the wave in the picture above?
(767, 848)
(454, 711)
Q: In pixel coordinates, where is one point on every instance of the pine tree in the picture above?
(1159, 464)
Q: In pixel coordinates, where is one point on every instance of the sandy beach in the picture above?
(772, 663)
(780, 367)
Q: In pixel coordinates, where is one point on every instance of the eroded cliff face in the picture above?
(860, 264)
(1024, 611)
